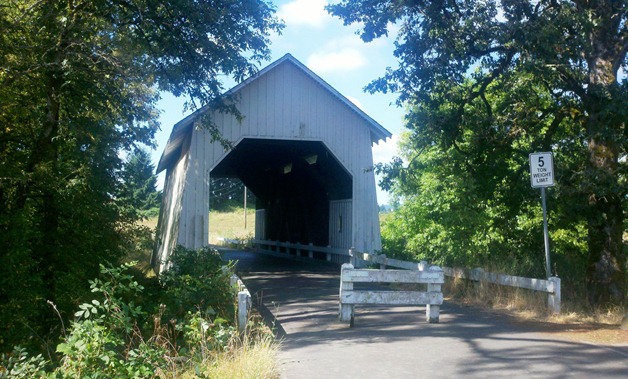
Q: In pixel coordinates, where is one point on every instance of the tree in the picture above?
(140, 182)
(555, 65)
(228, 192)
(79, 80)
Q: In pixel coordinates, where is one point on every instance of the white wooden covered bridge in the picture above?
(302, 148)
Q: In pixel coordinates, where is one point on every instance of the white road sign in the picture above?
(542, 169)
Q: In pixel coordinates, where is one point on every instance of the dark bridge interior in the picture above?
(294, 181)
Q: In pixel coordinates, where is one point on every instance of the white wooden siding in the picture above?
(169, 216)
(285, 104)
(340, 223)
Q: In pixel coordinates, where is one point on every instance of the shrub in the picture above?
(197, 279)
(120, 333)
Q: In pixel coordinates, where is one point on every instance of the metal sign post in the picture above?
(542, 175)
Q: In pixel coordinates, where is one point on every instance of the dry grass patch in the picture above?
(575, 322)
(252, 355)
(150, 222)
(231, 225)
(258, 361)
(527, 304)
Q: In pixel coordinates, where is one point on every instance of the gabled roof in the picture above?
(183, 128)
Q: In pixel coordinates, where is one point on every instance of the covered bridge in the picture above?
(302, 148)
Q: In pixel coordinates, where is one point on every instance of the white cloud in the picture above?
(356, 102)
(385, 150)
(304, 12)
(343, 60)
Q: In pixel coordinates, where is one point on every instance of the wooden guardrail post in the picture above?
(553, 298)
(244, 300)
(382, 265)
(346, 311)
(432, 311)
(244, 306)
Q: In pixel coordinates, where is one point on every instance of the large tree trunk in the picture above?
(606, 272)
(606, 261)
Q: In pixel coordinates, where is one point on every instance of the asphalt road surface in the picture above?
(301, 299)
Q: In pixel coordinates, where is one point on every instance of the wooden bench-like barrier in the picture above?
(433, 277)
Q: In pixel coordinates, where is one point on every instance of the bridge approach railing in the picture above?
(550, 286)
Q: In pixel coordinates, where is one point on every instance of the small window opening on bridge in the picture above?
(287, 168)
(311, 159)
(339, 223)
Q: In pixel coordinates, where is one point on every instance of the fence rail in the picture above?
(330, 254)
(550, 286)
(432, 298)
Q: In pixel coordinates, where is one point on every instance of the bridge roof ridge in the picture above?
(182, 128)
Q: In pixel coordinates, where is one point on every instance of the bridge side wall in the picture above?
(340, 223)
(171, 210)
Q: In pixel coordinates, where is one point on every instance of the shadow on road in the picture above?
(301, 299)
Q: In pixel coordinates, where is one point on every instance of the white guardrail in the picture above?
(432, 298)
(550, 286)
(330, 254)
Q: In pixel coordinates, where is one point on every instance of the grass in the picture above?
(257, 360)
(525, 304)
(150, 222)
(250, 355)
(228, 224)
(231, 225)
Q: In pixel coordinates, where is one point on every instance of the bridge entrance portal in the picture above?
(294, 183)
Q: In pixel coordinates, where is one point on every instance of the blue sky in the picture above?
(337, 55)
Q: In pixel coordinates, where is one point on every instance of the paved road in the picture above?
(396, 342)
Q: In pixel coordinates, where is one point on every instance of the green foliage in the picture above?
(486, 83)
(79, 84)
(197, 277)
(20, 365)
(105, 340)
(139, 187)
(113, 336)
(204, 337)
